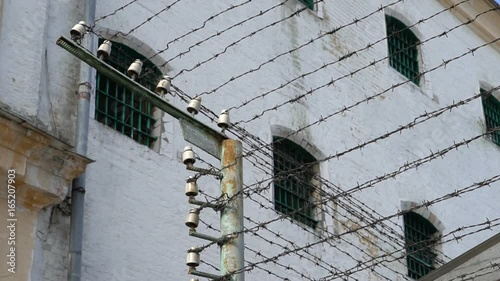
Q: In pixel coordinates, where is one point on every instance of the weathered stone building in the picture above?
(135, 204)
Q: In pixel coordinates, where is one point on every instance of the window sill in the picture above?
(114, 133)
(317, 13)
(403, 79)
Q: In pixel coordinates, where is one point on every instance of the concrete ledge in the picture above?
(44, 166)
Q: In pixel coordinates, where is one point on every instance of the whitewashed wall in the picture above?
(135, 207)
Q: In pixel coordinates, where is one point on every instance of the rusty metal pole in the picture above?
(231, 221)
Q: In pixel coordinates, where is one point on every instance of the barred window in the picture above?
(308, 3)
(420, 238)
(121, 109)
(491, 108)
(294, 192)
(403, 51)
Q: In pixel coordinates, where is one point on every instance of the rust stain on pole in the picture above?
(232, 256)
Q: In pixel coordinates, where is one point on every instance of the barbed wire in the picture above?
(426, 204)
(317, 260)
(321, 262)
(333, 31)
(277, 235)
(435, 114)
(212, 17)
(121, 8)
(258, 254)
(405, 167)
(454, 194)
(418, 76)
(416, 121)
(261, 13)
(337, 155)
(471, 51)
(92, 27)
(144, 22)
(442, 155)
(209, 265)
(476, 273)
(233, 44)
(232, 7)
(443, 62)
(349, 208)
(456, 105)
(370, 183)
(487, 225)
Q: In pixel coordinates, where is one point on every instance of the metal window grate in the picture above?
(491, 107)
(403, 52)
(308, 3)
(293, 192)
(420, 239)
(120, 108)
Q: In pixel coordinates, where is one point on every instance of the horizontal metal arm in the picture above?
(199, 134)
(203, 204)
(193, 271)
(219, 240)
(204, 171)
(193, 233)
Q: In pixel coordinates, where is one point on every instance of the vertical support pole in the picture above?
(231, 221)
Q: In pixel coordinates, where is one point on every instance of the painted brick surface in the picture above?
(135, 206)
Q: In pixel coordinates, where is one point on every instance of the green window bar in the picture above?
(308, 3)
(121, 109)
(293, 193)
(491, 108)
(403, 51)
(420, 239)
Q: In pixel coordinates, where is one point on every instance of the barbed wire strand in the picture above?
(285, 267)
(415, 164)
(331, 32)
(476, 273)
(121, 8)
(453, 194)
(487, 225)
(351, 74)
(426, 204)
(261, 13)
(317, 258)
(194, 30)
(144, 22)
(445, 109)
(416, 121)
(471, 51)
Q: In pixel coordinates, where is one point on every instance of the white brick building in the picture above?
(135, 205)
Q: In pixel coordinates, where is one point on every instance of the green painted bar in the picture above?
(419, 234)
(293, 196)
(130, 115)
(491, 108)
(403, 52)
